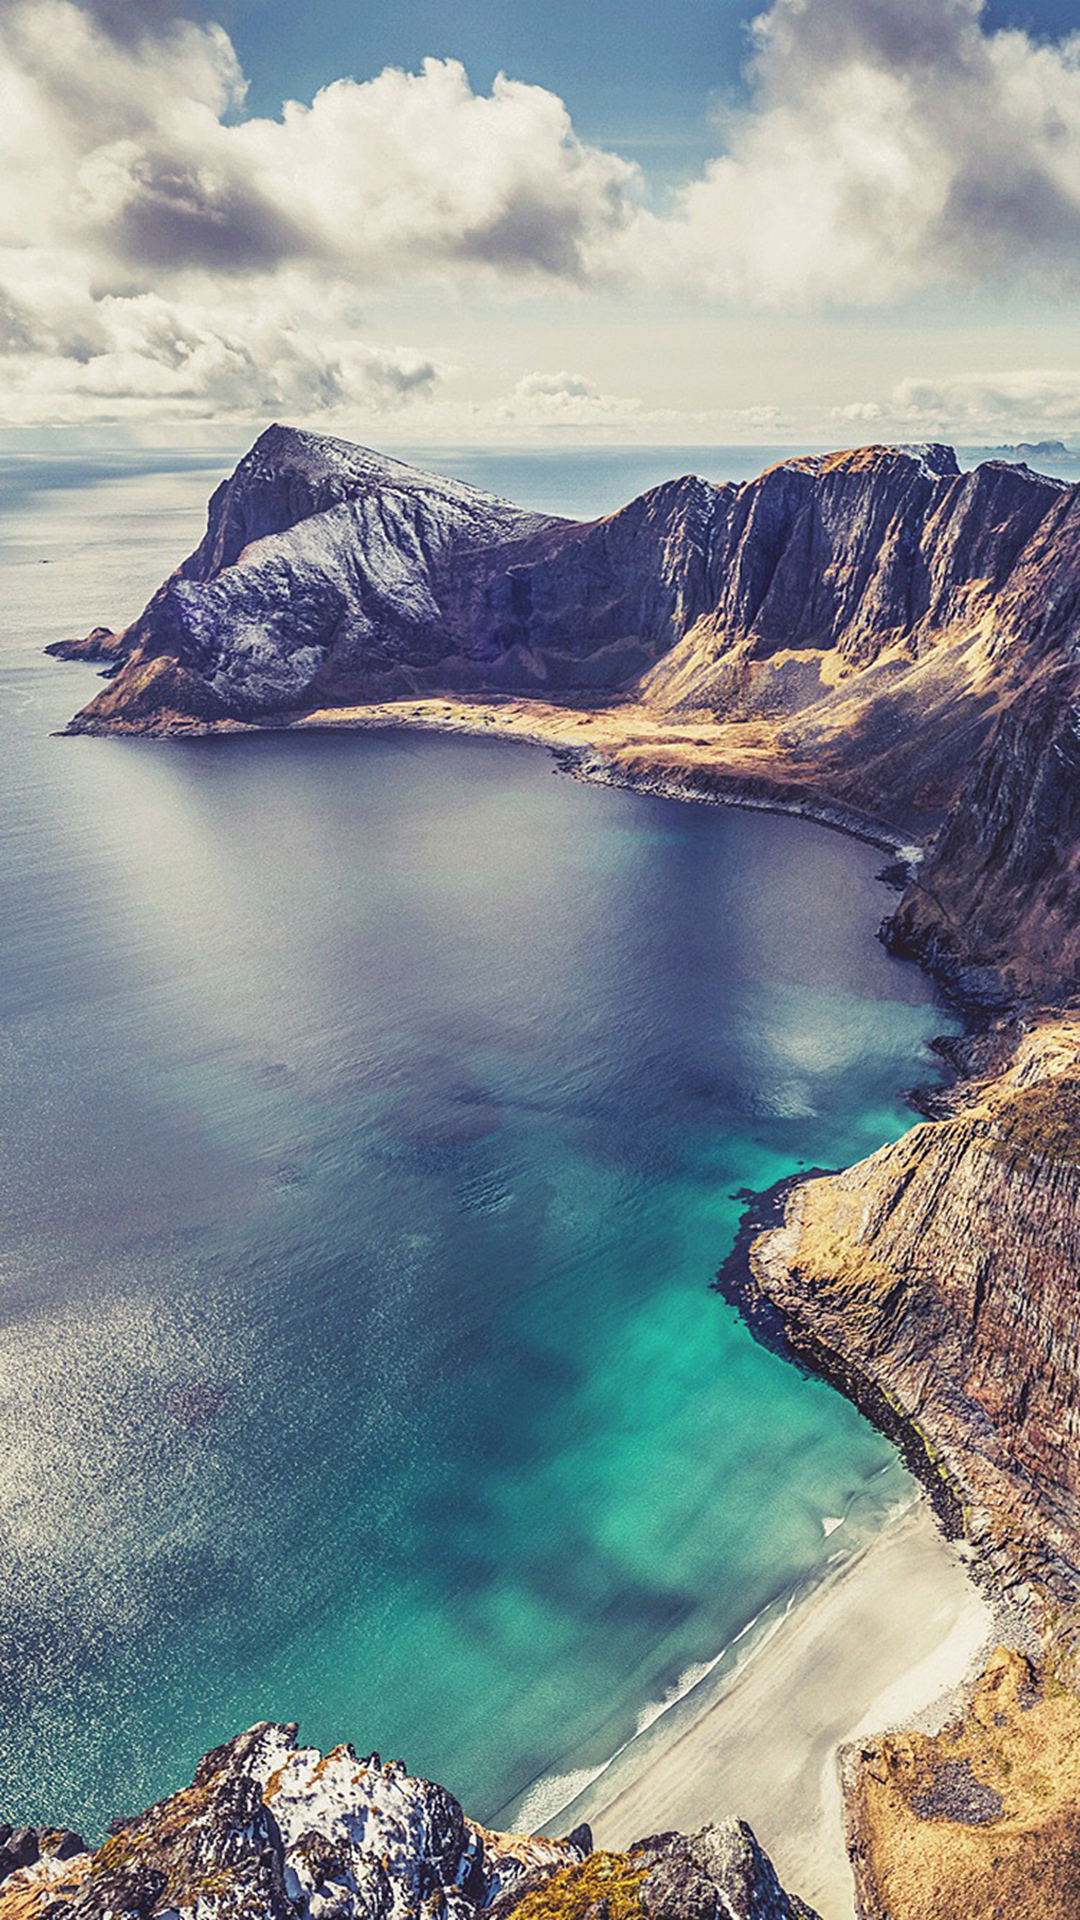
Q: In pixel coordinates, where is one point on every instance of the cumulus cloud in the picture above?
(889, 146)
(969, 407)
(162, 247)
(128, 145)
(182, 357)
(1027, 402)
(566, 399)
(1035, 397)
(764, 416)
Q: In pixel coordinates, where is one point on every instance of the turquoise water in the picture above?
(376, 1111)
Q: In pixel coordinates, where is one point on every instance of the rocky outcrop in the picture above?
(270, 1831)
(980, 1819)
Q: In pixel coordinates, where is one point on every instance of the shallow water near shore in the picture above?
(376, 1112)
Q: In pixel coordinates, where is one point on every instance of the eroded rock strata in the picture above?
(942, 1273)
(270, 1831)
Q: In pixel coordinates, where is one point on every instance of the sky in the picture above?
(492, 221)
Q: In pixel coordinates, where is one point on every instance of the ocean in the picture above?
(377, 1111)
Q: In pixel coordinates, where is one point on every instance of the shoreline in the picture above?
(743, 767)
(764, 1738)
(760, 1732)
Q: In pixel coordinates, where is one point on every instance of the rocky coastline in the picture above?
(268, 1830)
(881, 642)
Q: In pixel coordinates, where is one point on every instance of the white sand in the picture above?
(897, 1627)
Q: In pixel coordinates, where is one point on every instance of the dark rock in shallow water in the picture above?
(101, 643)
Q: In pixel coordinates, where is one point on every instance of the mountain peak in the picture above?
(933, 459)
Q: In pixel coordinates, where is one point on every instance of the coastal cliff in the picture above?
(936, 1283)
(873, 599)
(872, 631)
(271, 1831)
(940, 1275)
(873, 637)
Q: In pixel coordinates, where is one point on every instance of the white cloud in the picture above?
(1026, 403)
(771, 417)
(125, 147)
(163, 250)
(121, 356)
(890, 145)
(565, 399)
(866, 411)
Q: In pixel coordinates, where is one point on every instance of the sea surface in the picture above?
(376, 1112)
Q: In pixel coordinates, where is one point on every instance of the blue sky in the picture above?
(858, 218)
(635, 75)
(642, 76)
(630, 69)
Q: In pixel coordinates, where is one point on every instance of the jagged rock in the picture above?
(270, 1831)
(25, 1846)
(718, 1873)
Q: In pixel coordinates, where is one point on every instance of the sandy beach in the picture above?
(892, 1631)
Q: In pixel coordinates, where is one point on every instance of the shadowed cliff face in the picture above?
(902, 632)
(997, 902)
(941, 1274)
(269, 1831)
(870, 604)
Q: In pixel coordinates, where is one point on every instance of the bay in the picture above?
(376, 1111)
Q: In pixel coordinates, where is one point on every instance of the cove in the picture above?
(377, 1111)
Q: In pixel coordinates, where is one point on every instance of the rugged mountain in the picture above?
(329, 574)
(868, 605)
(270, 1831)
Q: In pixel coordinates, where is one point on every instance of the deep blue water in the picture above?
(375, 1112)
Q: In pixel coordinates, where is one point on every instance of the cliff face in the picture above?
(328, 574)
(997, 901)
(269, 1831)
(879, 610)
(939, 1277)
